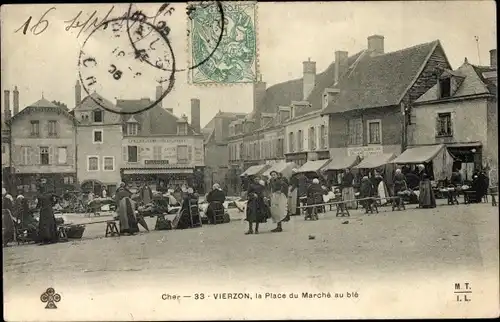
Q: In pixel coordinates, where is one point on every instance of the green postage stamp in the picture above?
(222, 42)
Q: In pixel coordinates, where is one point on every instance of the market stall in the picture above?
(248, 175)
(336, 166)
(285, 168)
(436, 158)
(311, 169)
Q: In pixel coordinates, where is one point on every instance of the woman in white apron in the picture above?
(279, 200)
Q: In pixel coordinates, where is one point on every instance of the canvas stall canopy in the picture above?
(442, 161)
(341, 162)
(285, 168)
(255, 170)
(312, 166)
(375, 161)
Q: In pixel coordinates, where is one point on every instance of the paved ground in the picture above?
(402, 263)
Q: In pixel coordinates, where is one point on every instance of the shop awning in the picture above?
(284, 168)
(341, 162)
(312, 166)
(255, 170)
(158, 171)
(420, 154)
(375, 161)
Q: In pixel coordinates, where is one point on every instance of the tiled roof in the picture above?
(473, 83)
(90, 103)
(162, 122)
(381, 80)
(43, 103)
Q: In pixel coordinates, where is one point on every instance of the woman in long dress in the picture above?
(47, 228)
(279, 200)
(426, 198)
(348, 189)
(256, 211)
(293, 194)
(126, 211)
(8, 226)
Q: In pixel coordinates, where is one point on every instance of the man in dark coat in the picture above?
(315, 194)
(47, 228)
(257, 211)
(215, 199)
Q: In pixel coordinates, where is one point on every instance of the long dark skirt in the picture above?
(126, 216)
(257, 211)
(47, 228)
(426, 198)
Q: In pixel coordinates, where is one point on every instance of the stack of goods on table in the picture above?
(409, 196)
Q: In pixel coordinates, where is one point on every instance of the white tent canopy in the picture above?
(442, 161)
(285, 168)
(255, 170)
(312, 166)
(341, 162)
(375, 161)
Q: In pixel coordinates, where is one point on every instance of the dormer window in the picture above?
(292, 112)
(325, 100)
(182, 128)
(445, 87)
(132, 129)
(98, 116)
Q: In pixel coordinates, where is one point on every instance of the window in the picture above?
(97, 136)
(109, 164)
(242, 152)
(3, 148)
(355, 127)
(93, 163)
(443, 125)
(132, 129)
(374, 132)
(290, 142)
(182, 154)
(35, 128)
(132, 153)
(25, 155)
(322, 137)
(445, 87)
(52, 128)
(62, 155)
(300, 140)
(312, 138)
(280, 147)
(157, 152)
(98, 116)
(182, 129)
(69, 180)
(325, 100)
(44, 155)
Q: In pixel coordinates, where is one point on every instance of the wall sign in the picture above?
(365, 151)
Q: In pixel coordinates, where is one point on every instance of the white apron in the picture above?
(279, 203)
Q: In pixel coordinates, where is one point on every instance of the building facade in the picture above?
(159, 148)
(43, 142)
(366, 105)
(99, 136)
(460, 111)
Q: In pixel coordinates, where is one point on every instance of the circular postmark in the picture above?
(231, 59)
(116, 60)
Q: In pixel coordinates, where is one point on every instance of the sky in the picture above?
(288, 33)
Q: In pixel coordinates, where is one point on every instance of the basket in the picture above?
(75, 231)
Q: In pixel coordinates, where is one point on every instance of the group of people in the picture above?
(17, 216)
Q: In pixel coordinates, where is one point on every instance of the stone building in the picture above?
(99, 135)
(365, 106)
(160, 148)
(460, 111)
(43, 145)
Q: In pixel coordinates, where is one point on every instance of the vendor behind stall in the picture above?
(215, 199)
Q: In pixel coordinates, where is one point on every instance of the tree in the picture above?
(60, 104)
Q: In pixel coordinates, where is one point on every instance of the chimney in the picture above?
(16, 101)
(195, 114)
(376, 45)
(259, 94)
(309, 78)
(7, 105)
(159, 92)
(341, 64)
(493, 58)
(78, 93)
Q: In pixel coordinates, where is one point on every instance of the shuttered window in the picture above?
(25, 155)
(62, 155)
(323, 137)
(182, 154)
(52, 128)
(300, 140)
(157, 152)
(355, 131)
(93, 163)
(44, 156)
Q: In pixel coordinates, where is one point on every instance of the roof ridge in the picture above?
(409, 48)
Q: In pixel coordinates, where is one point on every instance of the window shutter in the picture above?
(437, 125)
(44, 129)
(56, 155)
(190, 153)
(36, 154)
(69, 156)
(51, 155)
(125, 153)
(58, 128)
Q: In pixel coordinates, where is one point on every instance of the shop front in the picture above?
(299, 158)
(467, 158)
(163, 178)
(57, 183)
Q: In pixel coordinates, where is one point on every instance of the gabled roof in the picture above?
(225, 115)
(473, 84)
(381, 80)
(162, 122)
(45, 104)
(89, 102)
